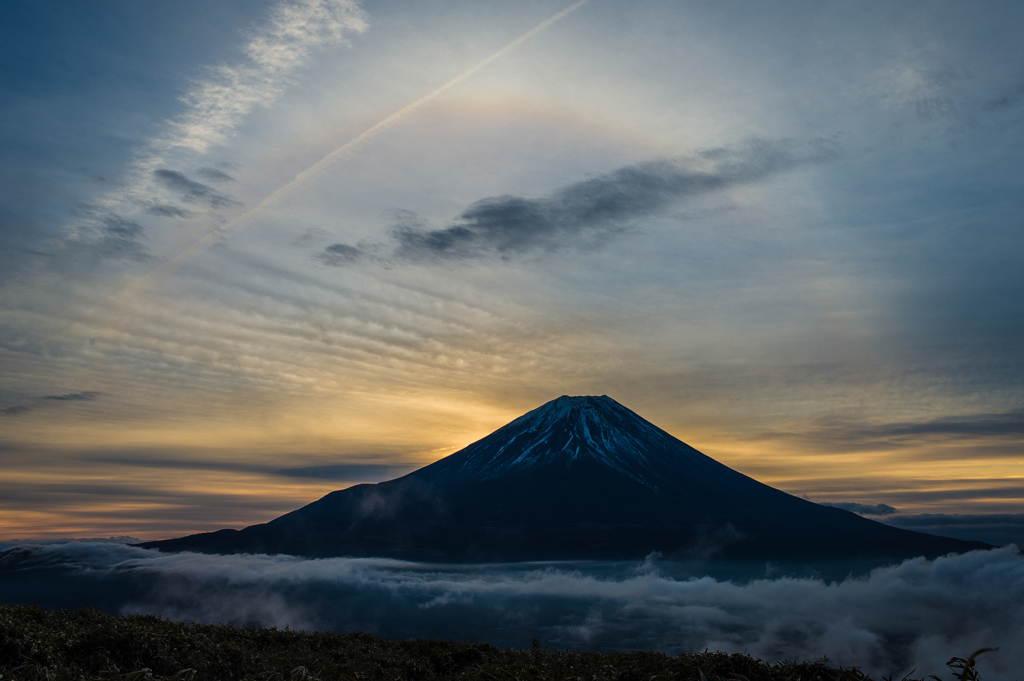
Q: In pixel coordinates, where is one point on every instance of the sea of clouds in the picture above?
(914, 615)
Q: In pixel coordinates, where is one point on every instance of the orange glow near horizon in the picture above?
(157, 482)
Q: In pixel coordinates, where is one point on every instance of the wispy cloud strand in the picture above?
(214, 107)
(276, 50)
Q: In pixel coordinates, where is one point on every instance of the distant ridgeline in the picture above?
(577, 478)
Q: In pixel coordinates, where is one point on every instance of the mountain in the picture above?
(577, 478)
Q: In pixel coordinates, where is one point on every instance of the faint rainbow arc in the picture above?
(239, 222)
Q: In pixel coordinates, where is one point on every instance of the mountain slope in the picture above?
(578, 477)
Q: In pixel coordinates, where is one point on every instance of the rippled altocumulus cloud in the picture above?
(913, 615)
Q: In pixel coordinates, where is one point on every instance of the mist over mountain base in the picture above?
(913, 615)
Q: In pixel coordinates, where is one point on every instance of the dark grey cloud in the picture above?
(142, 460)
(99, 235)
(123, 539)
(192, 191)
(967, 426)
(214, 175)
(849, 434)
(337, 255)
(363, 472)
(603, 205)
(170, 510)
(861, 509)
(1008, 98)
(120, 239)
(916, 614)
(69, 397)
(25, 229)
(74, 397)
(350, 472)
(588, 213)
(122, 228)
(168, 211)
(998, 529)
(995, 489)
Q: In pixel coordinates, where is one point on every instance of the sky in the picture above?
(252, 252)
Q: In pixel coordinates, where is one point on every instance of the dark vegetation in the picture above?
(86, 645)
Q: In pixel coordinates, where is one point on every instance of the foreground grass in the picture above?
(51, 645)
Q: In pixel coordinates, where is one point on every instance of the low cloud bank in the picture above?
(913, 615)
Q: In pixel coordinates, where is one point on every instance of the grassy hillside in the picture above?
(82, 645)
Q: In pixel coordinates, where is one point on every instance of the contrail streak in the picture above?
(240, 222)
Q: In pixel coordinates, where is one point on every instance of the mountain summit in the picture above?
(576, 478)
(577, 432)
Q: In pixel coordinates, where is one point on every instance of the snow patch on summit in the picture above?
(569, 430)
